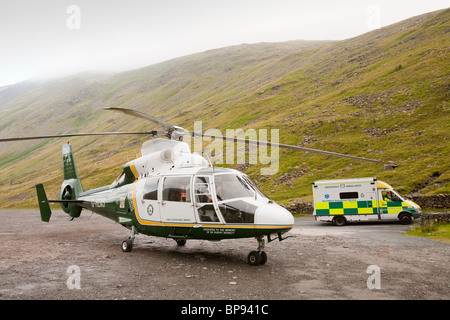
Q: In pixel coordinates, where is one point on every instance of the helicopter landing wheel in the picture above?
(263, 258)
(256, 258)
(127, 245)
(259, 257)
(180, 242)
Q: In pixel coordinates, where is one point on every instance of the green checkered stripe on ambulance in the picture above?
(357, 207)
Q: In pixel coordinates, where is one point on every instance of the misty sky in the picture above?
(51, 38)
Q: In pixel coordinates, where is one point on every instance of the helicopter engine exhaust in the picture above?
(68, 196)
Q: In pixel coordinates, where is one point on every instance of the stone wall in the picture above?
(431, 202)
(435, 217)
(301, 206)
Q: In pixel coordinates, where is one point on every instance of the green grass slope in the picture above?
(382, 95)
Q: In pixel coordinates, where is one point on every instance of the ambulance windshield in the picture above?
(396, 197)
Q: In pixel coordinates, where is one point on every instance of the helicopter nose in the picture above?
(272, 214)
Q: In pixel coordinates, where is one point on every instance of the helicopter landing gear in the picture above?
(127, 245)
(180, 242)
(258, 257)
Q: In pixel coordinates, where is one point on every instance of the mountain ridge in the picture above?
(383, 95)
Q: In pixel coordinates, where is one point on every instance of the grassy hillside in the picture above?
(382, 95)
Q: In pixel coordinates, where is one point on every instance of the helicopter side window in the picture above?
(203, 198)
(201, 190)
(151, 189)
(177, 189)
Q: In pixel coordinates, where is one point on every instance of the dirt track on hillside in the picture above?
(320, 262)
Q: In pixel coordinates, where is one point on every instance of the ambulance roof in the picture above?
(383, 185)
(339, 181)
(380, 184)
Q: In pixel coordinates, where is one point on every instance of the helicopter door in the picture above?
(204, 205)
(147, 199)
(176, 204)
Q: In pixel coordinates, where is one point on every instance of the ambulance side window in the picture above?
(177, 189)
(348, 195)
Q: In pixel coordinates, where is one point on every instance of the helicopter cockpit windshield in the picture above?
(231, 186)
(231, 191)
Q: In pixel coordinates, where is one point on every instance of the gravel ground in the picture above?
(320, 261)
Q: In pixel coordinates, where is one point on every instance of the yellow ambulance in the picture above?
(361, 199)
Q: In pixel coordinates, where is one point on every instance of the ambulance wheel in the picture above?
(254, 258)
(339, 221)
(405, 218)
(127, 245)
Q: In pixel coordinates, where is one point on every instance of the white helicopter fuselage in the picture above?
(177, 194)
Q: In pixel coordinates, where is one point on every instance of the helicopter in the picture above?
(169, 191)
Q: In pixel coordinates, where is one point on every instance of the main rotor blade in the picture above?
(138, 114)
(287, 146)
(80, 135)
